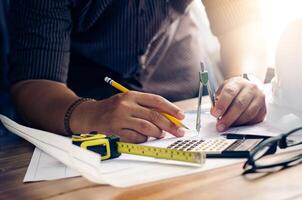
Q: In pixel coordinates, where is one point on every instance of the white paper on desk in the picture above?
(261, 129)
(208, 126)
(44, 167)
(127, 170)
(86, 163)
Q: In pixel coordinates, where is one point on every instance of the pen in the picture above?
(124, 89)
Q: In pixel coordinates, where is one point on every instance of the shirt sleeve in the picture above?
(40, 39)
(226, 15)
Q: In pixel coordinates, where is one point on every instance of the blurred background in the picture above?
(277, 14)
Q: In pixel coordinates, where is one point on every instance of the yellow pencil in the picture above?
(123, 89)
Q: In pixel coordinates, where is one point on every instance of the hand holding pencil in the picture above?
(123, 89)
(133, 116)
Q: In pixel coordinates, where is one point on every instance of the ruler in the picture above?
(161, 153)
(110, 147)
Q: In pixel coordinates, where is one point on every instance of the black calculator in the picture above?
(218, 147)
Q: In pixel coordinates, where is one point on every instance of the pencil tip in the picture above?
(186, 127)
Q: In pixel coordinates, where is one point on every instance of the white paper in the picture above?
(87, 163)
(125, 171)
(208, 126)
(261, 129)
(44, 167)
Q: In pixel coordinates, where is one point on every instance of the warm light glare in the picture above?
(277, 14)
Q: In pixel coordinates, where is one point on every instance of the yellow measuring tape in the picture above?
(110, 147)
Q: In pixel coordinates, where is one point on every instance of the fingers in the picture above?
(260, 117)
(128, 135)
(160, 121)
(236, 108)
(225, 97)
(239, 102)
(134, 114)
(146, 128)
(160, 104)
(255, 113)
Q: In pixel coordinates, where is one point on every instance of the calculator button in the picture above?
(208, 146)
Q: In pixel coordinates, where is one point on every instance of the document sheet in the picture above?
(54, 159)
(44, 167)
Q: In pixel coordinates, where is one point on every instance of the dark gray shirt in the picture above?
(148, 44)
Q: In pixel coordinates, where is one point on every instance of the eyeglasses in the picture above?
(258, 160)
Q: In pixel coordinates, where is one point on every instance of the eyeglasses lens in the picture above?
(294, 138)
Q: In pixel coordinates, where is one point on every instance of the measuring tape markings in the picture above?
(161, 153)
(114, 148)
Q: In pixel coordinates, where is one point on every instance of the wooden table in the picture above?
(221, 183)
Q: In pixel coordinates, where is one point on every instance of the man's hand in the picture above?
(133, 116)
(238, 102)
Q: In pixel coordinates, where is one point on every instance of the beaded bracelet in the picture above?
(69, 112)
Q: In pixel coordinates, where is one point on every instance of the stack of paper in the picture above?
(55, 157)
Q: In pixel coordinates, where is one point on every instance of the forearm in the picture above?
(133, 116)
(237, 25)
(43, 104)
(243, 50)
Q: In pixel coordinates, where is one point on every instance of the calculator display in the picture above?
(232, 148)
